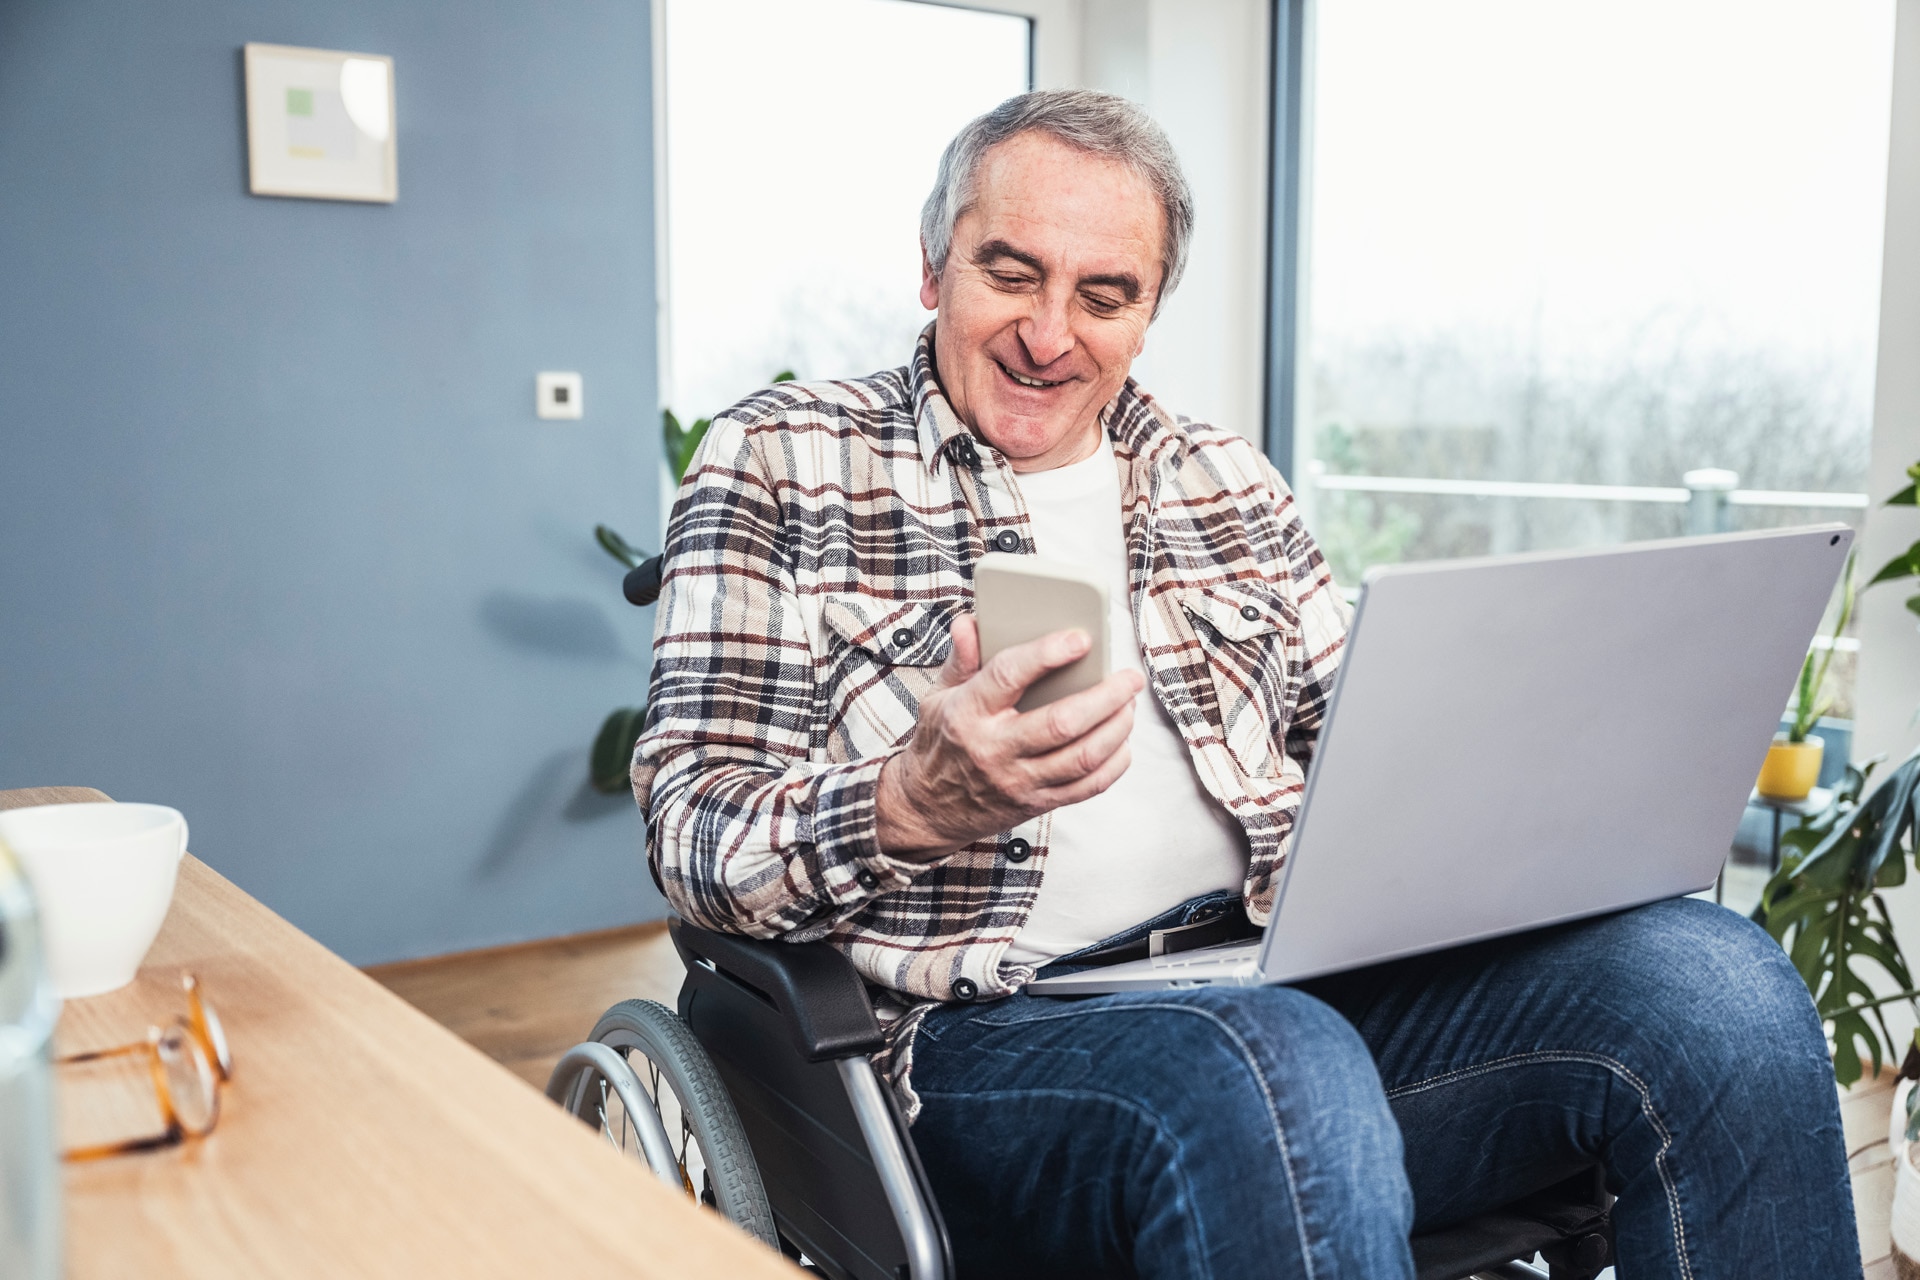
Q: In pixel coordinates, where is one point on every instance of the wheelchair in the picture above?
(758, 1098)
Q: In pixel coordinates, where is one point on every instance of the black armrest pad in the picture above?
(816, 990)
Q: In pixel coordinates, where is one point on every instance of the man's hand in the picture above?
(975, 765)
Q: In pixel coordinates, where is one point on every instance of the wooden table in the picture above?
(358, 1138)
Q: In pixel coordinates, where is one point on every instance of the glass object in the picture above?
(1555, 246)
(185, 1064)
(801, 142)
(30, 1241)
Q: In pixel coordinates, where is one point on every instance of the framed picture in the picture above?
(320, 124)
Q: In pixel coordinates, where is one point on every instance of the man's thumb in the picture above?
(963, 659)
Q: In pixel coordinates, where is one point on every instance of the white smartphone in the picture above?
(1021, 598)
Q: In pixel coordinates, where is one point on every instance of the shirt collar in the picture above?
(939, 426)
(1132, 420)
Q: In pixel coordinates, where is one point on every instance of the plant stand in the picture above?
(1817, 801)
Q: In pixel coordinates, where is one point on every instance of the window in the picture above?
(801, 140)
(1557, 256)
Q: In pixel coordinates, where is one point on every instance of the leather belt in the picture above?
(1230, 925)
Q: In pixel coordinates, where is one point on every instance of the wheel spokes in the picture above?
(695, 1175)
(686, 1138)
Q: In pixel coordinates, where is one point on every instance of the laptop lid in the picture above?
(1519, 740)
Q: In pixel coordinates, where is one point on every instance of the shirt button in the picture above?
(867, 879)
(1018, 850)
(902, 638)
(1006, 540)
(963, 989)
(1250, 613)
(964, 450)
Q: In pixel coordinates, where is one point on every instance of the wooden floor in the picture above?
(1863, 1113)
(526, 1005)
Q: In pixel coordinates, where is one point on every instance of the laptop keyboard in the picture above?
(1231, 953)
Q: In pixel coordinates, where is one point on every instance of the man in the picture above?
(827, 758)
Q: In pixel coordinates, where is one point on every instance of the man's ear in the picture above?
(929, 281)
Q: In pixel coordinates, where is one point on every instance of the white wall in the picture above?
(1888, 691)
(1207, 85)
(1889, 684)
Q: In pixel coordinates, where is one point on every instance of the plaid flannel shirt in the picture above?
(819, 550)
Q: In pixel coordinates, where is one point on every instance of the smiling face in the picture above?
(1048, 289)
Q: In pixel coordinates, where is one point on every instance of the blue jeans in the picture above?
(1306, 1131)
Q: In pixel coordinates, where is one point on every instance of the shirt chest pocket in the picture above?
(1250, 633)
(879, 657)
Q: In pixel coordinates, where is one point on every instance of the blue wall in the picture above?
(281, 540)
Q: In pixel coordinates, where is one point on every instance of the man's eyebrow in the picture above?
(1127, 283)
(993, 249)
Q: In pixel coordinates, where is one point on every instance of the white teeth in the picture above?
(1028, 382)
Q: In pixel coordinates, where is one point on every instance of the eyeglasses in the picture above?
(188, 1062)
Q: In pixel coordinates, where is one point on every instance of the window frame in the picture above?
(1289, 66)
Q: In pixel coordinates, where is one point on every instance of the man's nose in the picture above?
(1047, 332)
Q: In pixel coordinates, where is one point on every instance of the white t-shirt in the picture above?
(1155, 838)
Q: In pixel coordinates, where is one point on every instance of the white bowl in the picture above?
(102, 876)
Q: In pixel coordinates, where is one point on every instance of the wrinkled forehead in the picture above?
(1065, 206)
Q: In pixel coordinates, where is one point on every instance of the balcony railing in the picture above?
(1707, 493)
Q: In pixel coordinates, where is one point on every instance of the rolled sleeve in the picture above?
(846, 842)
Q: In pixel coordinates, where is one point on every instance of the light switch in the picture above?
(558, 395)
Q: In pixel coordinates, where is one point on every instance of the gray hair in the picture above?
(1098, 123)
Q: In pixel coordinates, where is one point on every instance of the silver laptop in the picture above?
(1520, 740)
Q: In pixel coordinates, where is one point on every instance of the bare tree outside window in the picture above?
(1590, 245)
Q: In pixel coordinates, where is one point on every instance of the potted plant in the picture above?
(1793, 761)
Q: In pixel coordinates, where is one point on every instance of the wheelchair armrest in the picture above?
(816, 991)
(641, 586)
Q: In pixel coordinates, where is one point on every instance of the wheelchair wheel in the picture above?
(716, 1166)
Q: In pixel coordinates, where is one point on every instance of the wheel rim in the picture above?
(618, 1130)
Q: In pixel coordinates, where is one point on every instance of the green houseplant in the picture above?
(1824, 907)
(1824, 903)
(1907, 563)
(612, 753)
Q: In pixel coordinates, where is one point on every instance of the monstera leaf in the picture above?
(1824, 907)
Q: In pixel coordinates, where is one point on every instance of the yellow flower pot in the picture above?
(1791, 768)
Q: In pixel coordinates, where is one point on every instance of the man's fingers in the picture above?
(1084, 755)
(1091, 785)
(1003, 680)
(1039, 731)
